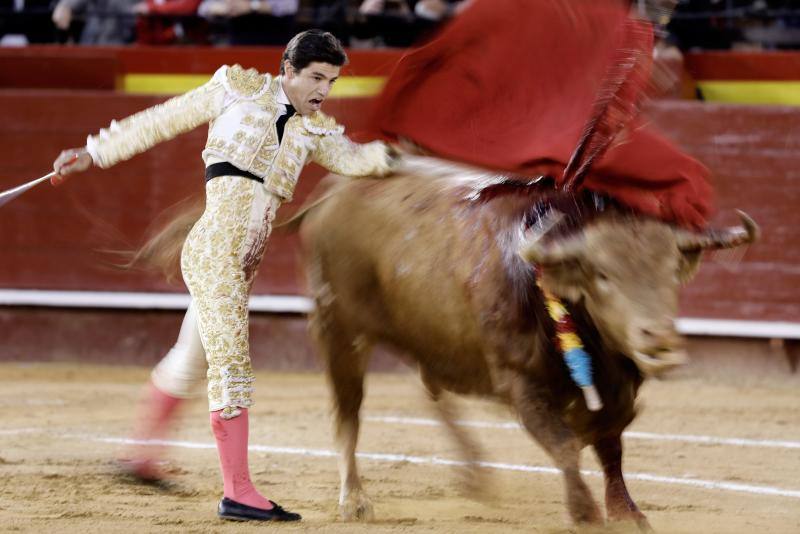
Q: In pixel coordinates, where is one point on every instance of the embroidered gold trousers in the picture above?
(219, 261)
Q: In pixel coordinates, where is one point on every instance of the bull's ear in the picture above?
(689, 264)
(567, 280)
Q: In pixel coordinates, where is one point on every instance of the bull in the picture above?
(441, 262)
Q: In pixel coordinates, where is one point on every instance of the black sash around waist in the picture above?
(224, 168)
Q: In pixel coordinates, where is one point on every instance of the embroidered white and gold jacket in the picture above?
(241, 108)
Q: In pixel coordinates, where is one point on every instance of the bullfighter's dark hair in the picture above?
(313, 46)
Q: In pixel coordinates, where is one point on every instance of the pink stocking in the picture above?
(156, 414)
(232, 436)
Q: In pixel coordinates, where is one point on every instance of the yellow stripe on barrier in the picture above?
(172, 84)
(355, 86)
(776, 93)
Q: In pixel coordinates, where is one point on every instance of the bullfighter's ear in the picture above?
(689, 264)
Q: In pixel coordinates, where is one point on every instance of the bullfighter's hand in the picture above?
(70, 161)
(404, 145)
(394, 155)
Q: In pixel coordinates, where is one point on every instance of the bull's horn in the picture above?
(714, 239)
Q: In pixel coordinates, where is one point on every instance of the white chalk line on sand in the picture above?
(688, 438)
(435, 460)
(17, 431)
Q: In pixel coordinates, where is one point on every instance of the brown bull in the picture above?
(438, 262)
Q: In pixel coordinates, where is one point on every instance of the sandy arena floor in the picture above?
(63, 425)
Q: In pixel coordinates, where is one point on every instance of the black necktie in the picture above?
(281, 124)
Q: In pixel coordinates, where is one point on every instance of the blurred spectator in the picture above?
(432, 13)
(252, 22)
(107, 22)
(401, 23)
(707, 24)
(439, 10)
(774, 24)
(163, 22)
(26, 21)
(331, 16)
(385, 23)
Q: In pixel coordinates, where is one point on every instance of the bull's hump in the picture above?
(447, 174)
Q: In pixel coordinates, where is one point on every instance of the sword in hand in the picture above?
(68, 162)
(11, 194)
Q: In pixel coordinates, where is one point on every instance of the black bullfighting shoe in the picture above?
(229, 509)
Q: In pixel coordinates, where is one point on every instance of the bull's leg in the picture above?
(475, 481)
(346, 360)
(619, 505)
(540, 419)
(346, 373)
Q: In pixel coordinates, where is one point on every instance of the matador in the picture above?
(262, 131)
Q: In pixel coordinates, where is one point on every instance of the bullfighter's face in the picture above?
(309, 87)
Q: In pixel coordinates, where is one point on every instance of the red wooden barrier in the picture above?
(51, 238)
(38, 68)
(727, 65)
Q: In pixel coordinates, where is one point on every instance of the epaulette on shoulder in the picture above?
(320, 124)
(248, 83)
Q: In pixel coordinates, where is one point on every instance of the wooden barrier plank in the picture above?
(167, 60)
(24, 68)
(733, 65)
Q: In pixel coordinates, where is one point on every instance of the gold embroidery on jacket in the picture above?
(245, 82)
(143, 130)
(320, 124)
(243, 132)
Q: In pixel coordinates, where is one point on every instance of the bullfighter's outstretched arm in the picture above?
(145, 129)
(339, 154)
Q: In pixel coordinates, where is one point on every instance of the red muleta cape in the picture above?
(511, 84)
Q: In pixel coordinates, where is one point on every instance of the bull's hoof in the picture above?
(475, 484)
(357, 508)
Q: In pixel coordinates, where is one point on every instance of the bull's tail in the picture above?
(162, 251)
